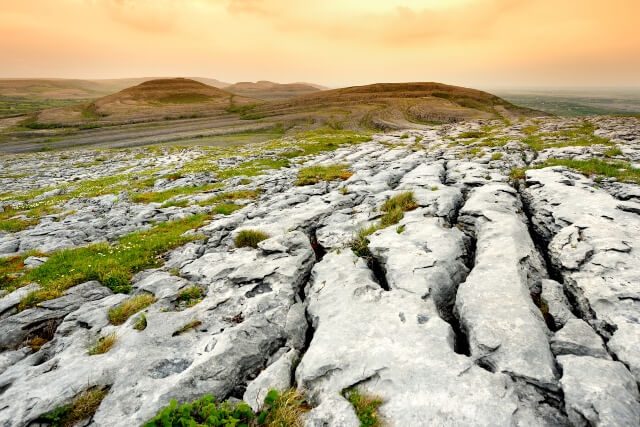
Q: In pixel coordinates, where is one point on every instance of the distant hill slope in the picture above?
(78, 88)
(23, 96)
(271, 91)
(150, 100)
(180, 109)
(393, 105)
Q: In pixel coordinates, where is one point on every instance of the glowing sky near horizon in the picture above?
(478, 43)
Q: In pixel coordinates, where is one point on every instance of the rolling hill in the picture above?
(150, 100)
(185, 111)
(23, 96)
(394, 106)
(266, 90)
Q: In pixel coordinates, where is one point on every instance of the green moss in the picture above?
(140, 323)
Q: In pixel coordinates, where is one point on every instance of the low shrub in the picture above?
(281, 410)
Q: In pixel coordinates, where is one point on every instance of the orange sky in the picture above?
(476, 43)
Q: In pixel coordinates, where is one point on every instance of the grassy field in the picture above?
(576, 102)
(15, 105)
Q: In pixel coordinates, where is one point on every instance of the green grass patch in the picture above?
(366, 407)
(14, 225)
(322, 140)
(315, 174)
(393, 209)
(471, 134)
(112, 265)
(120, 314)
(190, 296)
(10, 266)
(281, 410)
(162, 196)
(496, 156)
(612, 152)
(613, 169)
(250, 238)
(226, 208)
(266, 164)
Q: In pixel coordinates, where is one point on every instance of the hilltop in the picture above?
(152, 99)
(271, 91)
(396, 105)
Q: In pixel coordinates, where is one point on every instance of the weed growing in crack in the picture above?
(82, 408)
(102, 344)
(190, 296)
(394, 209)
(187, 327)
(366, 407)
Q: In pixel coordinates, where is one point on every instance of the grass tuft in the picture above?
(250, 238)
(120, 314)
(84, 407)
(187, 327)
(140, 323)
(315, 174)
(190, 296)
(102, 344)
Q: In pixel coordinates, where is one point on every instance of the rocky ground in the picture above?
(507, 292)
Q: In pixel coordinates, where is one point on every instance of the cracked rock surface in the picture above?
(508, 294)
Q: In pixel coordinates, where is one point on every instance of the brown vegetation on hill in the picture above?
(185, 111)
(150, 100)
(394, 105)
(271, 91)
